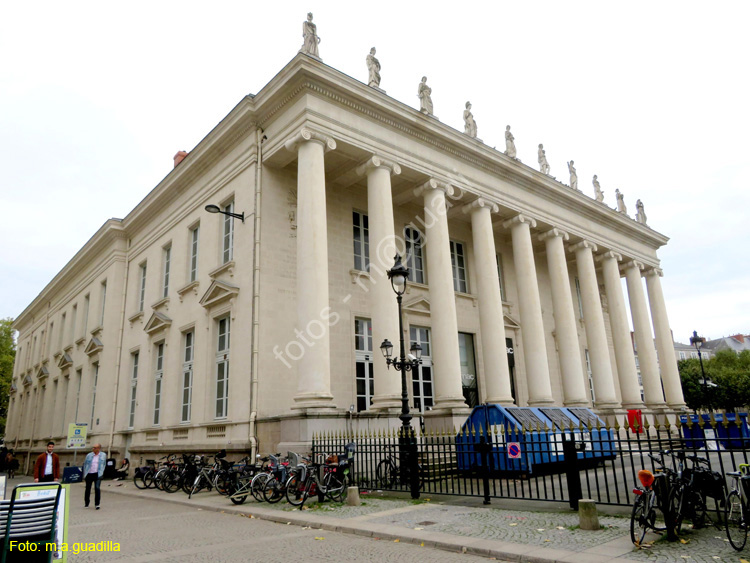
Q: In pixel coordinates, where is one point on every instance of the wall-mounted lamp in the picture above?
(216, 209)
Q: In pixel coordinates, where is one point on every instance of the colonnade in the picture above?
(314, 391)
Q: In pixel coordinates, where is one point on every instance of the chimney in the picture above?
(179, 157)
(739, 338)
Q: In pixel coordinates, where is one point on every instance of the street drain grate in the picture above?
(426, 523)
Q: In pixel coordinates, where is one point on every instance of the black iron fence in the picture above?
(550, 464)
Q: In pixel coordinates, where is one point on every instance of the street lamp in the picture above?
(216, 209)
(398, 276)
(698, 341)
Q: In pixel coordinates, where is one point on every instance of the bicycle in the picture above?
(324, 479)
(694, 485)
(652, 496)
(736, 509)
(389, 473)
(207, 476)
(251, 483)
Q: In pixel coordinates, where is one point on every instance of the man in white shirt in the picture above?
(93, 469)
(47, 466)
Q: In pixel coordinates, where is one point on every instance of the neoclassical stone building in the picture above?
(176, 329)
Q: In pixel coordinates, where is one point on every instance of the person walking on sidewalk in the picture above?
(93, 469)
(47, 466)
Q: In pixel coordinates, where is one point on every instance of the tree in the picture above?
(7, 358)
(728, 371)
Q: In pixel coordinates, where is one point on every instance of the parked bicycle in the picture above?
(207, 474)
(653, 495)
(389, 473)
(694, 485)
(328, 479)
(736, 510)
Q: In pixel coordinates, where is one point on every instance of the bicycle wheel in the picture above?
(697, 509)
(240, 487)
(677, 506)
(335, 486)
(295, 488)
(197, 485)
(139, 481)
(273, 490)
(223, 483)
(386, 474)
(159, 478)
(735, 521)
(257, 485)
(149, 479)
(172, 481)
(641, 519)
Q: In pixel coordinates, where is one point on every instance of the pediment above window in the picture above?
(42, 373)
(420, 305)
(27, 379)
(13, 388)
(65, 361)
(94, 346)
(218, 292)
(157, 322)
(510, 322)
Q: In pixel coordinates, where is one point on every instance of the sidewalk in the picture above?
(502, 533)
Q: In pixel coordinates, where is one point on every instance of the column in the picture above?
(445, 355)
(491, 325)
(569, 349)
(644, 342)
(314, 370)
(618, 320)
(530, 307)
(596, 336)
(664, 344)
(382, 299)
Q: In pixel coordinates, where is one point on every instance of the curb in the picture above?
(501, 550)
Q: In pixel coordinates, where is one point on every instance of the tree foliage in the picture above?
(730, 372)
(7, 357)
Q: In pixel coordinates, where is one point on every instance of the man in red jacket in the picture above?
(47, 466)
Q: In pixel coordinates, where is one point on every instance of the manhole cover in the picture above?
(426, 523)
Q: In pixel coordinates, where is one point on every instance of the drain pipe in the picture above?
(38, 390)
(255, 333)
(118, 362)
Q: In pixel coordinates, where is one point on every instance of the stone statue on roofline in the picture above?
(640, 214)
(310, 37)
(542, 160)
(470, 126)
(373, 68)
(573, 175)
(510, 145)
(425, 99)
(621, 202)
(598, 193)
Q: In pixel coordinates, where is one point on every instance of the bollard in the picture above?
(588, 519)
(352, 496)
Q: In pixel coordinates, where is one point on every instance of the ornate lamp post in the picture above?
(398, 276)
(698, 341)
(409, 471)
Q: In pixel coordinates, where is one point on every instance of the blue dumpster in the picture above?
(529, 439)
(734, 434)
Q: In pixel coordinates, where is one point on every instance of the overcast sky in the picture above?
(97, 97)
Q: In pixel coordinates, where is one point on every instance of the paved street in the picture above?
(152, 530)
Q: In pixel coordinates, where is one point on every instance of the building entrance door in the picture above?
(421, 378)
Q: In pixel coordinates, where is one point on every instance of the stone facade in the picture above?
(189, 330)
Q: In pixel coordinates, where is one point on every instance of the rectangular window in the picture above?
(683, 356)
(500, 276)
(62, 332)
(79, 378)
(50, 336)
(73, 318)
(104, 302)
(194, 234)
(590, 375)
(361, 242)
(165, 272)
(222, 367)
(468, 368)
(414, 261)
(580, 301)
(364, 366)
(135, 358)
(93, 394)
(694, 355)
(459, 267)
(86, 303)
(187, 377)
(158, 376)
(228, 237)
(142, 287)
(422, 377)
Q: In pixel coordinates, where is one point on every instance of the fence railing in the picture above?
(549, 464)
